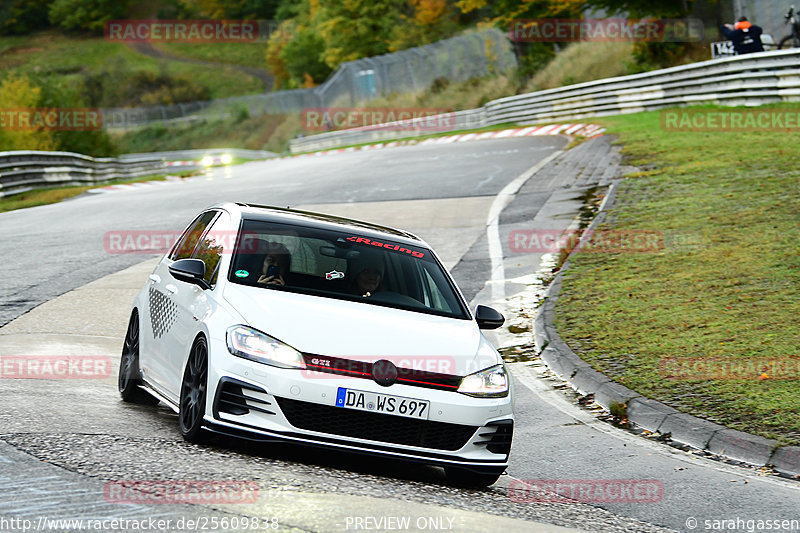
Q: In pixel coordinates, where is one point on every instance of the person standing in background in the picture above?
(746, 37)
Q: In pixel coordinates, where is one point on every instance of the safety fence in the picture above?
(483, 53)
(746, 80)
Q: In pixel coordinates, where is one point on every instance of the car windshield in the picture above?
(345, 266)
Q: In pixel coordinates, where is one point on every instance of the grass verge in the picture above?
(65, 60)
(723, 289)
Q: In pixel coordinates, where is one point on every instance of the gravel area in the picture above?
(281, 469)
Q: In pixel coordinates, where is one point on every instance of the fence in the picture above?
(752, 79)
(26, 170)
(456, 59)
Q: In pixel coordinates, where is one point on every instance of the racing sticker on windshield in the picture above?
(334, 274)
(388, 246)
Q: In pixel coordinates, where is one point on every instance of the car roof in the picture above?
(324, 221)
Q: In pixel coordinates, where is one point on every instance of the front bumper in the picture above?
(265, 403)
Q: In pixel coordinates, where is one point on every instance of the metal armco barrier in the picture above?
(26, 170)
(751, 80)
(458, 120)
(199, 153)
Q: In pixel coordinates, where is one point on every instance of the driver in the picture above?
(366, 272)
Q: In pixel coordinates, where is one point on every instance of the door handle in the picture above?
(172, 289)
(155, 278)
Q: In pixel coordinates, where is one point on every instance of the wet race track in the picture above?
(66, 444)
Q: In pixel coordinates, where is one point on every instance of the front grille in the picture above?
(231, 398)
(354, 368)
(375, 426)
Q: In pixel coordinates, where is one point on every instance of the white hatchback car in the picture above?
(277, 324)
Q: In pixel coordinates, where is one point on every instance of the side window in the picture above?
(434, 298)
(189, 239)
(212, 246)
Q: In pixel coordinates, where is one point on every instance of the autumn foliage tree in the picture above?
(19, 93)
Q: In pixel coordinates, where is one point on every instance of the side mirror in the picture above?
(190, 271)
(488, 318)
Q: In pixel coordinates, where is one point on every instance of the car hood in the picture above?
(327, 326)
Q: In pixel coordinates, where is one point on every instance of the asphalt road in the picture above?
(443, 192)
(52, 249)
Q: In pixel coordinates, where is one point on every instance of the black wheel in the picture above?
(129, 375)
(788, 42)
(193, 392)
(461, 477)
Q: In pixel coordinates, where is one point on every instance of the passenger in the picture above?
(276, 265)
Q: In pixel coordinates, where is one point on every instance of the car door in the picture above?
(160, 309)
(192, 302)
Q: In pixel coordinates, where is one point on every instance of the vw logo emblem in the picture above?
(384, 372)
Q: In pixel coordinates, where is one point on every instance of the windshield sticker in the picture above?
(241, 273)
(334, 275)
(388, 246)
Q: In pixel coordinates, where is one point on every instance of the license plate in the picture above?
(382, 403)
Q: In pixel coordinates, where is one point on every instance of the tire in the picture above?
(130, 377)
(461, 477)
(193, 393)
(788, 42)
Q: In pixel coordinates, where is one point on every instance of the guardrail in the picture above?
(199, 153)
(753, 79)
(26, 170)
(458, 120)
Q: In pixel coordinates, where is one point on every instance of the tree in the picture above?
(86, 15)
(277, 42)
(425, 21)
(302, 56)
(354, 29)
(18, 93)
(645, 8)
(18, 17)
(232, 9)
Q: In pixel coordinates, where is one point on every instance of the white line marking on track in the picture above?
(498, 273)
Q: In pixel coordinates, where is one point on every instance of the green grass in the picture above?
(725, 285)
(254, 133)
(273, 132)
(245, 54)
(588, 61)
(66, 58)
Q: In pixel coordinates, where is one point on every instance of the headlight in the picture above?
(491, 382)
(251, 344)
(226, 159)
(207, 161)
